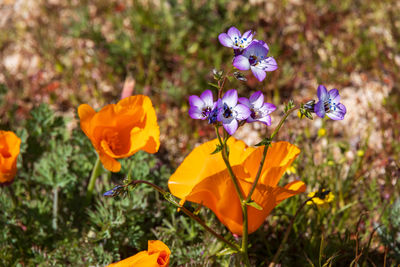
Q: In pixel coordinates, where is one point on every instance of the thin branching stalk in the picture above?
(189, 213)
(274, 133)
(278, 252)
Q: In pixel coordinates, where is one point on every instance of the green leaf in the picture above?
(226, 251)
(171, 199)
(217, 149)
(265, 142)
(214, 85)
(254, 205)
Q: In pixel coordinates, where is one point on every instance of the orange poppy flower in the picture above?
(120, 130)
(203, 178)
(157, 255)
(9, 151)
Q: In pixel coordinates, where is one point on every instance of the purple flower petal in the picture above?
(334, 95)
(322, 93)
(245, 101)
(225, 40)
(233, 32)
(230, 98)
(248, 35)
(266, 120)
(207, 98)
(230, 126)
(196, 113)
(337, 114)
(243, 112)
(268, 64)
(256, 48)
(257, 99)
(319, 109)
(258, 73)
(241, 62)
(195, 101)
(267, 108)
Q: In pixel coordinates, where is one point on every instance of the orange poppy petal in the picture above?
(200, 164)
(204, 179)
(9, 151)
(120, 130)
(109, 163)
(157, 255)
(279, 157)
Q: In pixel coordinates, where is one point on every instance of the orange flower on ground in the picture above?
(157, 255)
(120, 130)
(9, 151)
(203, 178)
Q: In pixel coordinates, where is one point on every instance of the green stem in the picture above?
(190, 214)
(274, 133)
(245, 236)
(95, 173)
(278, 252)
(55, 207)
(225, 157)
(224, 152)
(12, 196)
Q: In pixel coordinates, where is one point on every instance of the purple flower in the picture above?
(229, 111)
(259, 110)
(235, 40)
(329, 104)
(113, 192)
(201, 107)
(254, 57)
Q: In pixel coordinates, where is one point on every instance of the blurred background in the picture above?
(65, 53)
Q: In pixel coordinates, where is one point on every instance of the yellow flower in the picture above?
(9, 151)
(120, 130)
(203, 178)
(157, 255)
(321, 197)
(360, 153)
(321, 132)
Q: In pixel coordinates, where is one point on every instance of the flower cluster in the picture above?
(250, 54)
(230, 110)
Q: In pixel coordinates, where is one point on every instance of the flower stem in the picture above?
(225, 157)
(274, 133)
(278, 252)
(187, 212)
(12, 196)
(55, 207)
(224, 152)
(95, 173)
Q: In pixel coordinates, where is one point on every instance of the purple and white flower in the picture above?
(254, 57)
(230, 112)
(233, 38)
(201, 107)
(329, 104)
(259, 110)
